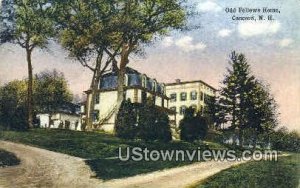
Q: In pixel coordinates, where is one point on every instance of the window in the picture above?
(96, 116)
(173, 97)
(194, 95)
(126, 80)
(154, 85)
(144, 81)
(182, 110)
(163, 89)
(173, 108)
(201, 96)
(183, 96)
(97, 99)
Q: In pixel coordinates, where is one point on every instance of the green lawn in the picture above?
(97, 148)
(284, 173)
(8, 159)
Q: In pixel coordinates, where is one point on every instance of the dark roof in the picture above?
(189, 82)
(128, 70)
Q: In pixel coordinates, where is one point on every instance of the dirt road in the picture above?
(43, 168)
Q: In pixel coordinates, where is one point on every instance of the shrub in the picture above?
(143, 121)
(193, 127)
(125, 126)
(153, 124)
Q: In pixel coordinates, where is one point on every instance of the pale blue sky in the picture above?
(271, 47)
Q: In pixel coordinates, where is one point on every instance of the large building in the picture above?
(138, 88)
(187, 94)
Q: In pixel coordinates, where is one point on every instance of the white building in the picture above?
(187, 94)
(138, 88)
(68, 117)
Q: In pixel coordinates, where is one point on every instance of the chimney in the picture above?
(177, 81)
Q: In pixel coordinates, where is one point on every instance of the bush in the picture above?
(153, 124)
(193, 127)
(143, 121)
(125, 126)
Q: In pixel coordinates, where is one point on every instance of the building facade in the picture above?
(187, 94)
(66, 117)
(138, 87)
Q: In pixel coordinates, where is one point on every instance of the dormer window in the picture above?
(154, 85)
(126, 80)
(144, 81)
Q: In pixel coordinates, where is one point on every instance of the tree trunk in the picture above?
(121, 75)
(29, 90)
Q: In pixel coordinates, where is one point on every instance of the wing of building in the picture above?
(187, 94)
(138, 88)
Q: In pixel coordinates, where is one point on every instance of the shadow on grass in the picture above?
(107, 169)
(8, 159)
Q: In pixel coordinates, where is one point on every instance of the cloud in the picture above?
(209, 6)
(252, 28)
(167, 42)
(186, 44)
(285, 42)
(224, 32)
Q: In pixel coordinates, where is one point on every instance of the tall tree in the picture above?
(237, 85)
(214, 112)
(28, 24)
(262, 111)
(137, 23)
(248, 103)
(113, 30)
(86, 34)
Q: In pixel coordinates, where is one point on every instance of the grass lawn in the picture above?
(283, 173)
(100, 150)
(8, 159)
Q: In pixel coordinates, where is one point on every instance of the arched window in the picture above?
(126, 80)
(144, 81)
(154, 85)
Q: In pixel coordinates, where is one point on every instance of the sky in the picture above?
(270, 46)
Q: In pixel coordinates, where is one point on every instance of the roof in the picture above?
(189, 82)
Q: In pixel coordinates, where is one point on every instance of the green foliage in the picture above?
(284, 140)
(263, 174)
(50, 93)
(13, 110)
(8, 159)
(125, 126)
(145, 122)
(193, 127)
(214, 112)
(153, 124)
(245, 102)
(27, 23)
